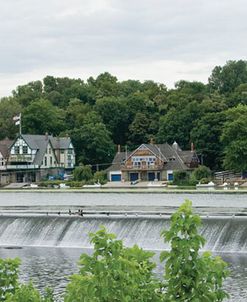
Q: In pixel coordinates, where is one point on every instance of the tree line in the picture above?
(102, 112)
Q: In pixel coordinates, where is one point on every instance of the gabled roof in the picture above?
(187, 156)
(60, 142)
(39, 143)
(4, 147)
(155, 149)
(174, 158)
(119, 159)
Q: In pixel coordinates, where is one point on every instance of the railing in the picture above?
(21, 158)
(142, 167)
(227, 175)
(22, 167)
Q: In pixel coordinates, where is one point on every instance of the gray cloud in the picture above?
(89, 37)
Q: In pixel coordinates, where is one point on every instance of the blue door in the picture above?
(170, 176)
(115, 177)
(151, 176)
(133, 176)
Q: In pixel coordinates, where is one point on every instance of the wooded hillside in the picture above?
(101, 113)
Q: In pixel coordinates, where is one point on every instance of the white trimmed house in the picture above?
(31, 157)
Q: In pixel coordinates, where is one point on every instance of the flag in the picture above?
(17, 119)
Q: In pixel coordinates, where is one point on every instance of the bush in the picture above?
(181, 178)
(83, 173)
(201, 172)
(100, 176)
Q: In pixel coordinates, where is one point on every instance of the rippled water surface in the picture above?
(53, 266)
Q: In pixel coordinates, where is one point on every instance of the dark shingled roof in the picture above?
(40, 143)
(60, 142)
(117, 161)
(174, 158)
(4, 147)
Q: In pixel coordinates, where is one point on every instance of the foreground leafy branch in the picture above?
(190, 276)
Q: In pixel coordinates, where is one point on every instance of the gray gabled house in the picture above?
(152, 162)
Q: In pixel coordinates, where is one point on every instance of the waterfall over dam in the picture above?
(224, 234)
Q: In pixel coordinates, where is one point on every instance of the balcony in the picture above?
(141, 167)
(21, 167)
(21, 158)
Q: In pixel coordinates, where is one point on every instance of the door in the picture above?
(115, 177)
(134, 176)
(151, 176)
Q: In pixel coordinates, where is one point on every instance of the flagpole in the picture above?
(20, 125)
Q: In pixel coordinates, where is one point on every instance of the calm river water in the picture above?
(51, 266)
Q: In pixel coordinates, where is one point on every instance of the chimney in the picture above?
(151, 141)
(118, 149)
(46, 136)
(192, 147)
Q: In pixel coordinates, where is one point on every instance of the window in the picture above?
(45, 161)
(50, 161)
(62, 151)
(24, 149)
(17, 150)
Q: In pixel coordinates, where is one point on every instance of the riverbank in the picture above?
(127, 190)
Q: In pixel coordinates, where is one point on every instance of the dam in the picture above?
(222, 234)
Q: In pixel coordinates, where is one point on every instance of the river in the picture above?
(50, 245)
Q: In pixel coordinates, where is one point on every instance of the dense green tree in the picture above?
(234, 139)
(177, 124)
(9, 107)
(114, 113)
(92, 142)
(41, 117)
(25, 94)
(206, 138)
(139, 130)
(76, 113)
(227, 78)
(105, 85)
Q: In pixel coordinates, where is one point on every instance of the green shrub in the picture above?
(100, 176)
(201, 172)
(181, 178)
(83, 173)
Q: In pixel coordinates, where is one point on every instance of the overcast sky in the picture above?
(165, 41)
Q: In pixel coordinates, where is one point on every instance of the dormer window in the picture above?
(172, 158)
